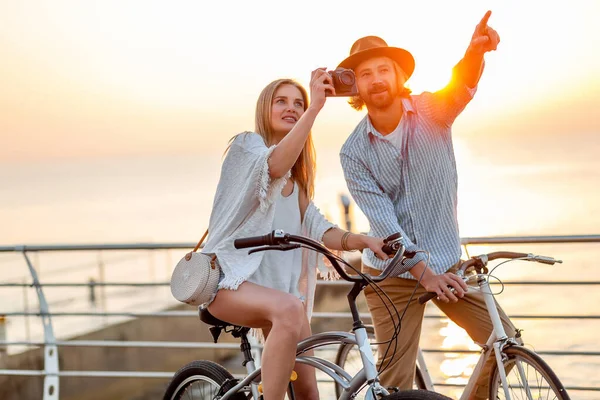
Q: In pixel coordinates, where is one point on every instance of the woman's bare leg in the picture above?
(281, 313)
(306, 385)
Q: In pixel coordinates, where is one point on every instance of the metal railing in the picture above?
(50, 344)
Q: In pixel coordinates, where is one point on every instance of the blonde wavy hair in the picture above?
(358, 103)
(304, 170)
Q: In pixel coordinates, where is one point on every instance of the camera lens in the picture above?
(347, 77)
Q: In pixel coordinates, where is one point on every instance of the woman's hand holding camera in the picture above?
(320, 82)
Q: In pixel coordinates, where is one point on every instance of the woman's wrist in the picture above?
(312, 111)
(355, 242)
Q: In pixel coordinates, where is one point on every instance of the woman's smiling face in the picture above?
(287, 108)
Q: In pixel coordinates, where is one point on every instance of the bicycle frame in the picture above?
(351, 384)
(494, 345)
(424, 370)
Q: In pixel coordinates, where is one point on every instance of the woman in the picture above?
(267, 182)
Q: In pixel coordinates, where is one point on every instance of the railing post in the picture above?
(3, 350)
(51, 367)
(92, 297)
(102, 280)
(27, 320)
(346, 204)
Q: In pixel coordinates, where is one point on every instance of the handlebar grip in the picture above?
(254, 241)
(393, 236)
(392, 244)
(391, 248)
(546, 260)
(426, 297)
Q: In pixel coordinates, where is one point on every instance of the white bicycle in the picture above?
(207, 380)
(518, 373)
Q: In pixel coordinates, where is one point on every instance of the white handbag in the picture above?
(195, 277)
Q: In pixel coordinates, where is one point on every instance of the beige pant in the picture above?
(469, 313)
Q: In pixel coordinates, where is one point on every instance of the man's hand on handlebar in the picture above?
(449, 287)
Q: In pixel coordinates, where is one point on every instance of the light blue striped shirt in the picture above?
(412, 189)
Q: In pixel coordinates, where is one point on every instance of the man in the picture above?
(400, 168)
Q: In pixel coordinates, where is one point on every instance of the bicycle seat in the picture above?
(216, 325)
(209, 319)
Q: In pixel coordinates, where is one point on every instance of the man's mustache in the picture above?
(378, 88)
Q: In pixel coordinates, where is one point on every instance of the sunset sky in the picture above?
(110, 109)
(86, 79)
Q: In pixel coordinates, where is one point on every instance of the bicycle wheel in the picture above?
(528, 377)
(200, 380)
(348, 357)
(415, 395)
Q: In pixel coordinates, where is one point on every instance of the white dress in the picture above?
(281, 270)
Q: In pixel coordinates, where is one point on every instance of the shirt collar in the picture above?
(407, 107)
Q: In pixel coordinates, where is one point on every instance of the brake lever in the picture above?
(279, 247)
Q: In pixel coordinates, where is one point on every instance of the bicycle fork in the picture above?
(499, 332)
(496, 341)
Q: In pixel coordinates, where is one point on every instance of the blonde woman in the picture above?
(266, 183)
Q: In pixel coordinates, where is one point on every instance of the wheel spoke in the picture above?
(528, 377)
(202, 380)
(200, 389)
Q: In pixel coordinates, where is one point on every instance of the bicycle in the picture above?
(208, 380)
(518, 373)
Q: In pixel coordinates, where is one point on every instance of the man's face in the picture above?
(377, 82)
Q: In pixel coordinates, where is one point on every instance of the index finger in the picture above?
(457, 282)
(320, 69)
(483, 23)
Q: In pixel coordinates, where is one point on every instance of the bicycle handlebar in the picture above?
(482, 260)
(269, 239)
(393, 244)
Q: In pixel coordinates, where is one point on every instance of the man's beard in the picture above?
(381, 99)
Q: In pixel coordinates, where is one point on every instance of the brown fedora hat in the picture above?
(373, 46)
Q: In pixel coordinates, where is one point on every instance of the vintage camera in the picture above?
(344, 82)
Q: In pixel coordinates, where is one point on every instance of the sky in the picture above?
(92, 79)
(110, 109)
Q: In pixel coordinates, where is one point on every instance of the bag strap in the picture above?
(200, 242)
(188, 256)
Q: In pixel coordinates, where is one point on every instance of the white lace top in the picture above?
(244, 205)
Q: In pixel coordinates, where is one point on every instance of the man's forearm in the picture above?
(419, 269)
(469, 69)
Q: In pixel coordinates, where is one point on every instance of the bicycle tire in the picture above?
(204, 378)
(342, 357)
(415, 395)
(531, 362)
